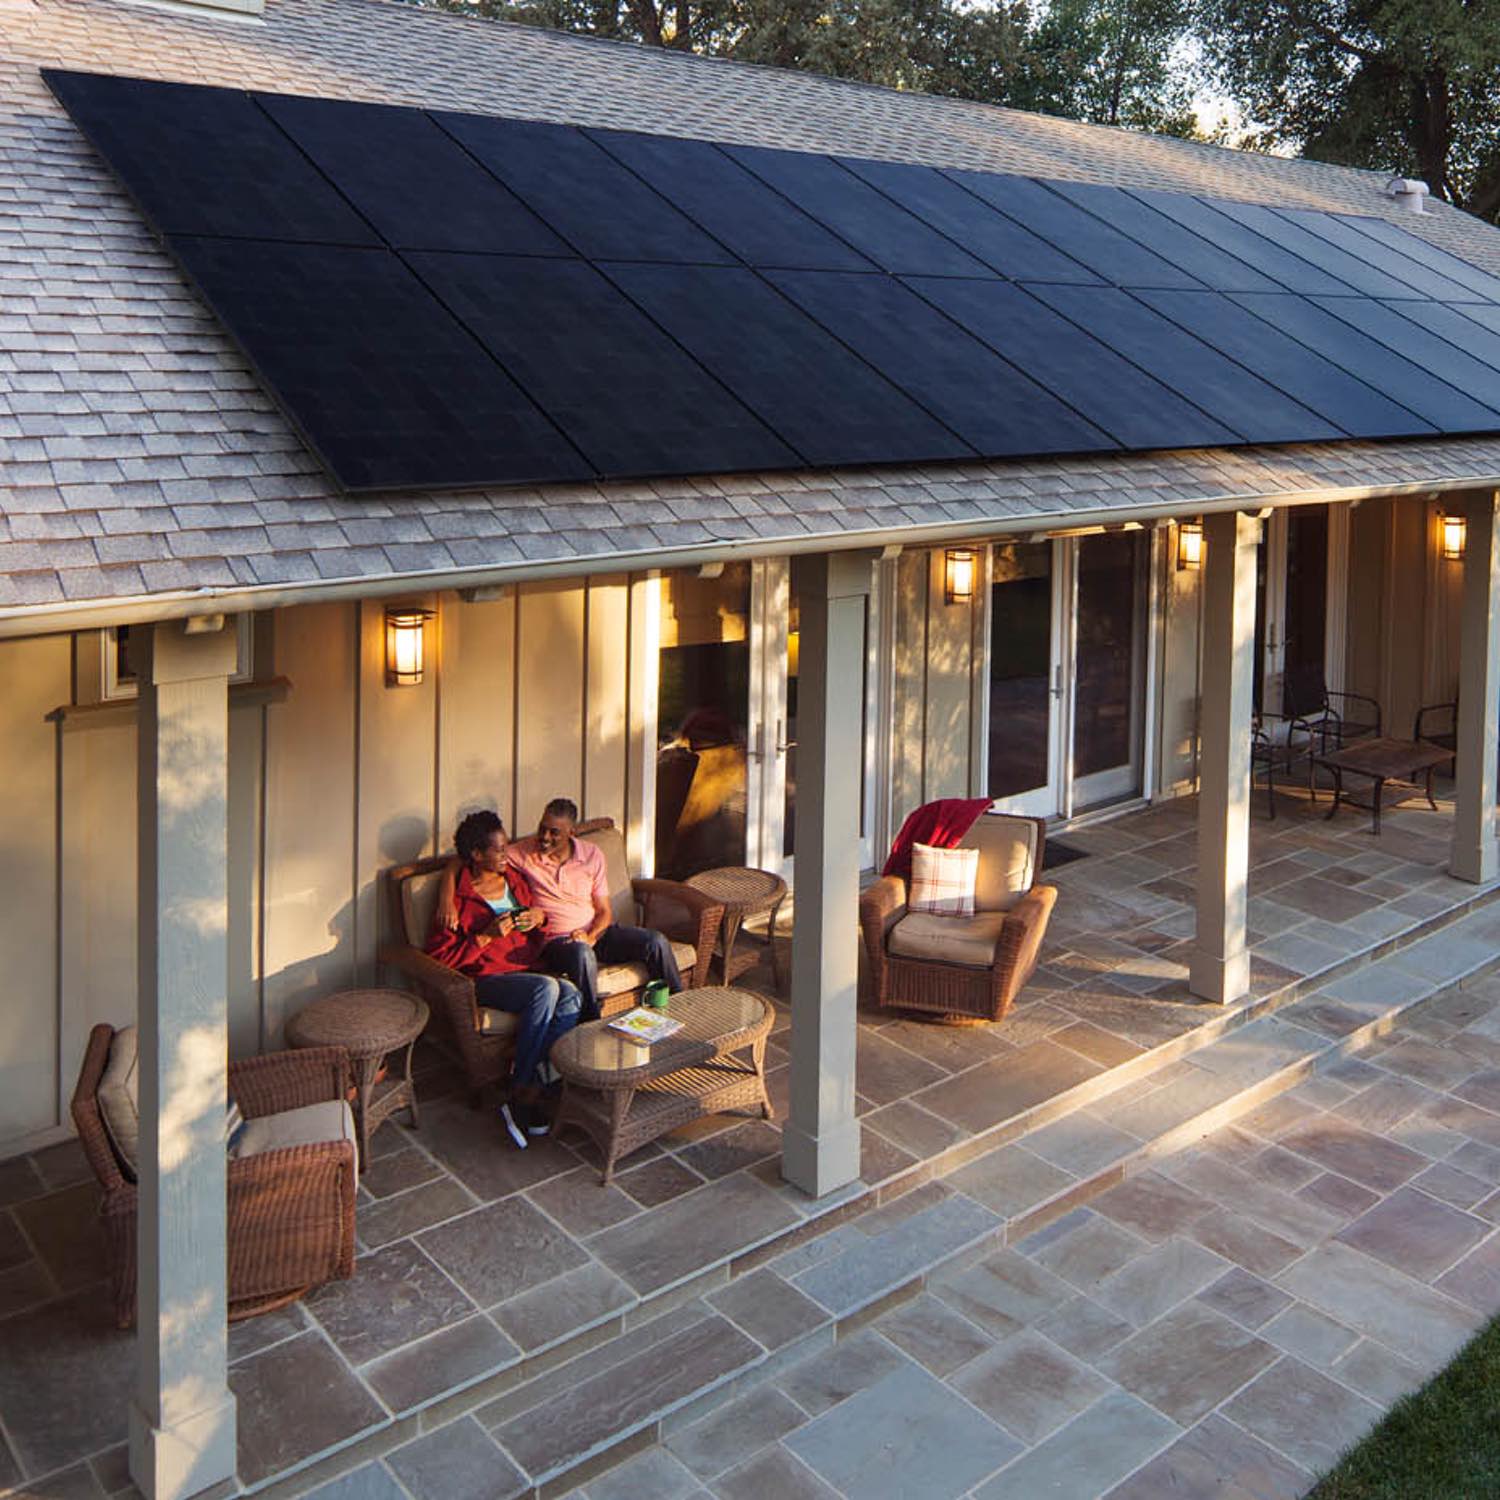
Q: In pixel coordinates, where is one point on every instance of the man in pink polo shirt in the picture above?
(569, 882)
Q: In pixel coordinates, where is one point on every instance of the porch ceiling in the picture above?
(481, 1264)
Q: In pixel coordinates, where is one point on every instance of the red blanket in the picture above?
(941, 824)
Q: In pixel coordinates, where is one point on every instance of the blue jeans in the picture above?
(548, 1008)
(579, 962)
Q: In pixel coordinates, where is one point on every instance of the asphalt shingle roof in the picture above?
(140, 457)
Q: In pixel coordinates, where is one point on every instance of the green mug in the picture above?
(656, 994)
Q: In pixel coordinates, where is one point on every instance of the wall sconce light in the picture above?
(1455, 537)
(405, 645)
(959, 564)
(1189, 545)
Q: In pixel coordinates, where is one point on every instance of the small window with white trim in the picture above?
(117, 676)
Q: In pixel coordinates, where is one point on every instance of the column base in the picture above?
(1477, 864)
(1219, 979)
(192, 1456)
(823, 1163)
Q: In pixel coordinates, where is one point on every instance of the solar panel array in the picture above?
(441, 300)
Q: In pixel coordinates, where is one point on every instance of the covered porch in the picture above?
(482, 1269)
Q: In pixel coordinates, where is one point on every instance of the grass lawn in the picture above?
(1443, 1443)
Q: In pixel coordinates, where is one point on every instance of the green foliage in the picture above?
(1110, 64)
(1408, 86)
(1443, 1443)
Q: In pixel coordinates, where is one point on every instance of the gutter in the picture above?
(51, 619)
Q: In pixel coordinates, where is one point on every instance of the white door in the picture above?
(1029, 611)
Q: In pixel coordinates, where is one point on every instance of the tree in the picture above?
(1110, 64)
(1407, 86)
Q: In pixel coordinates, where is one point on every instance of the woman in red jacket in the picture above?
(498, 934)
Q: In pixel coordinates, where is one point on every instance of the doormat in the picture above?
(1055, 853)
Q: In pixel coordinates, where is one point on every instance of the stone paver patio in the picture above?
(481, 1268)
(1220, 1328)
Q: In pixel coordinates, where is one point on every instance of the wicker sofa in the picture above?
(964, 968)
(291, 1208)
(485, 1039)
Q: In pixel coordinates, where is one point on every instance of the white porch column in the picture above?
(820, 1144)
(182, 1428)
(1219, 967)
(1475, 854)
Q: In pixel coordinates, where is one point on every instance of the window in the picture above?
(117, 676)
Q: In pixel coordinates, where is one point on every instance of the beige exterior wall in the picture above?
(937, 688)
(1179, 674)
(527, 696)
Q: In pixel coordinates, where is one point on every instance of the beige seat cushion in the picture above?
(329, 1120)
(497, 1022)
(1007, 859)
(419, 895)
(621, 896)
(119, 1100)
(615, 979)
(969, 941)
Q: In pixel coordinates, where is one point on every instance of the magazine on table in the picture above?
(645, 1026)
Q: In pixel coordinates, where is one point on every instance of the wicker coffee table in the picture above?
(368, 1024)
(622, 1094)
(743, 893)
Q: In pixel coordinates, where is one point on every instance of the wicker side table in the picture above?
(622, 1094)
(743, 893)
(368, 1024)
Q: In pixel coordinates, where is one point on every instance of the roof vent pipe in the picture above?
(1409, 193)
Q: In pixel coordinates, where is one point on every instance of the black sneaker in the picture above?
(513, 1117)
(537, 1123)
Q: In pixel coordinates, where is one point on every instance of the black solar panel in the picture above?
(1355, 273)
(1228, 391)
(733, 205)
(625, 394)
(385, 384)
(1358, 408)
(1194, 256)
(1432, 351)
(208, 161)
(826, 402)
(1410, 248)
(415, 183)
(602, 209)
(1420, 280)
(987, 402)
(441, 299)
(1288, 270)
(967, 220)
(1112, 256)
(1135, 409)
(1377, 364)
(880, 229)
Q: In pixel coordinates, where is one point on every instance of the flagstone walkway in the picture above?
(1223, 1326)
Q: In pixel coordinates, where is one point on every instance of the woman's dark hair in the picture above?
(475, 832)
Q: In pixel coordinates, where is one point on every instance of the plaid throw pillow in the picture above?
(942, 880)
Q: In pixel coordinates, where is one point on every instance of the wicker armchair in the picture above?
(291, 1211)
(486, 1040)
(964, 969)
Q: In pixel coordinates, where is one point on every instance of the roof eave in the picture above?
(94, 614)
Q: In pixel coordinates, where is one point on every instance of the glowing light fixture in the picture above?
(1455, 537)
(405, 645)
(1189, 545)
(959, 564)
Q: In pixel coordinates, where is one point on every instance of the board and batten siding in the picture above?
(535, 694)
